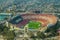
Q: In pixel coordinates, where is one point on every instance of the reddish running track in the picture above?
(45, 19)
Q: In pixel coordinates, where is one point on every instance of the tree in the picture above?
(6, 33)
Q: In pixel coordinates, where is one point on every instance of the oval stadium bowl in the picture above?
(46, 20)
